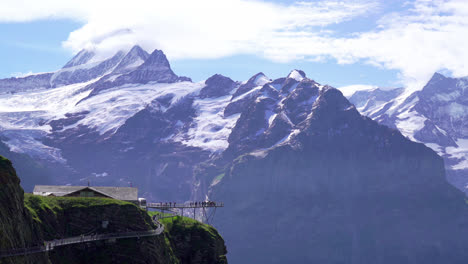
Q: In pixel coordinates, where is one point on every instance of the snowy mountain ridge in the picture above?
(436, 115)
(103, 104)
(92, 101)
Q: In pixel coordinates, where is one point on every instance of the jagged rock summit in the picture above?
(124, 67)
(216, 86)
(137, 67)
(81, 58)
(134, 58)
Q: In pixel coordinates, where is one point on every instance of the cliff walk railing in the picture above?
(50, 245)
(168, 206)
(172, 209)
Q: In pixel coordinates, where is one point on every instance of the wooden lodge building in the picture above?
(129, 194)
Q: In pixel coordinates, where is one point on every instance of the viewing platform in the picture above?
(206, 210)
(170, 205)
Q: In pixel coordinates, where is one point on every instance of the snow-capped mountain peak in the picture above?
(255, 81)
(216, 86)
(80, 58)
(215, 116)
(436, 115)
(84, 72)
(297, 75)
(134, 58)
(259, 79)
(157, 58)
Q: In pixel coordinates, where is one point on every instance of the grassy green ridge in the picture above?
(194, 242)
(71, 216)
(36, 204)
(184, 240)
(61, 217)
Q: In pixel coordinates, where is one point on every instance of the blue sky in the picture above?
(383, 43)
(34, 46)
(37, 47)
(241, 67)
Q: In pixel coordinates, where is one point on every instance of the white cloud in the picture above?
(426, 37)
(184, 28)
(349, 90)
(30, 10)
(430, 37)
(206, 29)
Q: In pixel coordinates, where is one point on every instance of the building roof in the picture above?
(119, 193)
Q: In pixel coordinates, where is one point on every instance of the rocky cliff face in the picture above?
(194, 242)
(342, 190)
(35, 173)
(18, 230)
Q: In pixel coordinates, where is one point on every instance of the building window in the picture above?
(86, 194)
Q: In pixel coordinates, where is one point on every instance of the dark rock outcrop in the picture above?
(250, 127)
(343, 190)
(33, 171)
(216, 86)
(254, 81)
(18, 229)
(298, 103)
(28, 83)
(195, 243)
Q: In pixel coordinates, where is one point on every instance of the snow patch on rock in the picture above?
(211, 129)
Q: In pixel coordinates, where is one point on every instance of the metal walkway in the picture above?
(50, 245)
(170, 209)
(168, 206)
